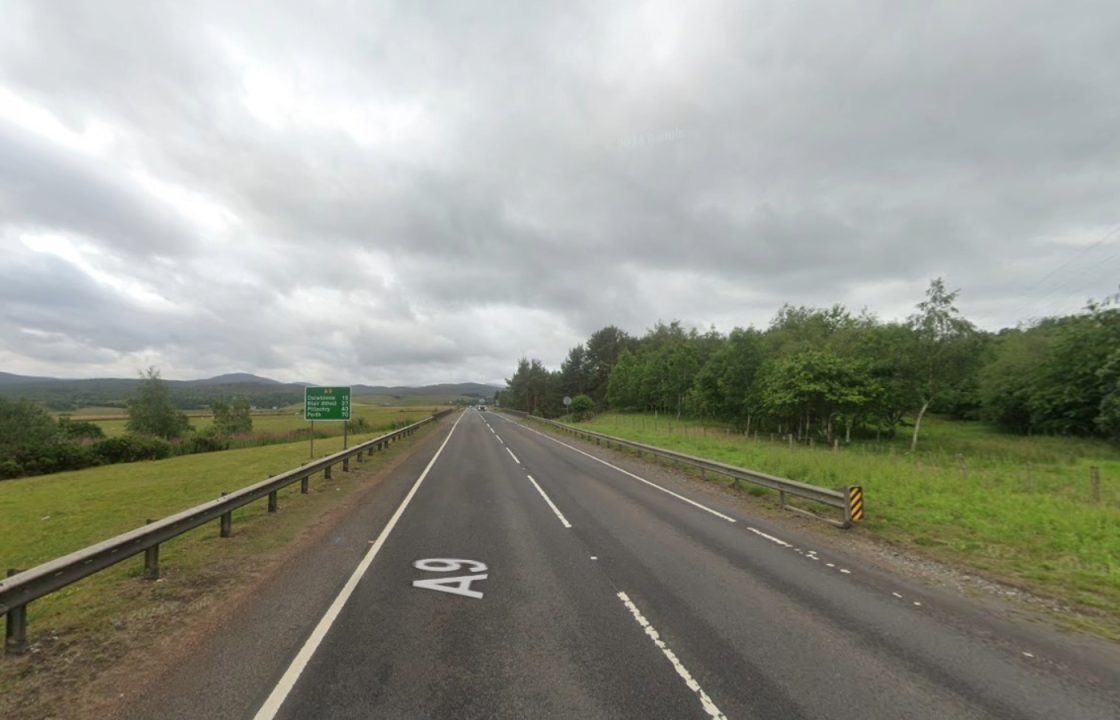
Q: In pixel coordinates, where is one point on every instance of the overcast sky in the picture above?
(418, 192)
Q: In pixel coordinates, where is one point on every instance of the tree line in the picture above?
(829, 374)
(32, 442)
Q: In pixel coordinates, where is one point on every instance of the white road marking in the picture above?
(846, 571)
(896, 595)
(594, 557)
(705, 508)
(513, 456)
(771, 538)
(705, 701)
(279, 693)
(563, 520)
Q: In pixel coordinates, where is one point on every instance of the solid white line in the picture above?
(563, 520)
(693, 685)
(513, 456)
(705, 508)
(291, 675)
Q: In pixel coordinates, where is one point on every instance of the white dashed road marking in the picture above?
(693, 685)
(547, 499)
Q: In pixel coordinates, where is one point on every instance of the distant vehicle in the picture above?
(481, 408)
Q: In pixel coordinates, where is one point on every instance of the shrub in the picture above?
(10, 469)
(582, 407)
(130, 448)
(208, 440)
(80, 430)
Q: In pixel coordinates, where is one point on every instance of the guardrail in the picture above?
(848, 501)
(22, 587)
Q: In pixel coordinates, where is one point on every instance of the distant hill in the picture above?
(10, 379)
(236, 379)
(66, 394)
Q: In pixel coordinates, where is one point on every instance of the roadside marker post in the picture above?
(855, 504)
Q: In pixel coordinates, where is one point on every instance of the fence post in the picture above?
(791, 441)
(1095, 483)
(15, 627)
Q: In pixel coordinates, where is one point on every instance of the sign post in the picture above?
(327, 404)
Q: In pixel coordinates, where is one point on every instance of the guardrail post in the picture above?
(327, 473)
(151, 559)
(345, 464)
(15, 627)
(225, 525)
(303, 484)
(273, 501)
(151, 563)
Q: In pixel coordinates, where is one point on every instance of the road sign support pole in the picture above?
(312, 438)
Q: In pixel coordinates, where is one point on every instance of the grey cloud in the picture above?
(437, 190)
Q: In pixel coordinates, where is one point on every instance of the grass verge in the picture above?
(84, 629)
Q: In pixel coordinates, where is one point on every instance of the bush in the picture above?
(80, 430)
(208, 440)
(130, 448)
(10, 469)
(582, 407)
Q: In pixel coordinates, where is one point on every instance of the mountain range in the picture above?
(70, 394)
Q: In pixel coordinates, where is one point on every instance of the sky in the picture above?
(420, 192)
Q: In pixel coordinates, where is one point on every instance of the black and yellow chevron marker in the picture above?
(855, 503)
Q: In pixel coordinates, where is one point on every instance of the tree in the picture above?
(25, 424)
(813, 388)
(575, 374)
(604, 348)
(940, 354)
(151, 412)
(232, 418)
(724, 386)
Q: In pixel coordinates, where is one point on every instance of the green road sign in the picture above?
(326, 403)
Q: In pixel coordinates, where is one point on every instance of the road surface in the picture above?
(515, 574)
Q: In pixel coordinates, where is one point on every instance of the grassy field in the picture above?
(86, 628)
(405, 400)
(51, 515)
(273, 423)
(1020, 509)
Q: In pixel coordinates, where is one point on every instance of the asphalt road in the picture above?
(520, 577)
